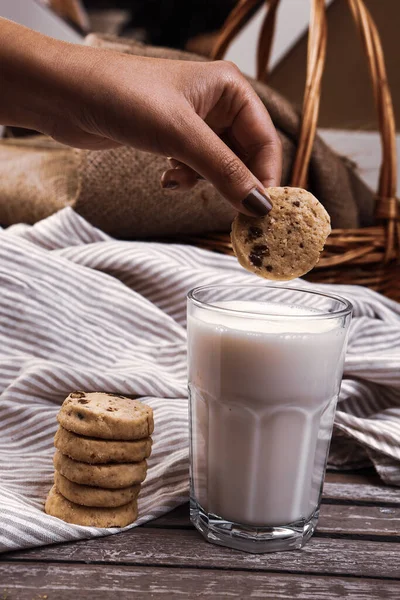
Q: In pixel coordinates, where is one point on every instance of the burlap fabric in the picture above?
(119, 190)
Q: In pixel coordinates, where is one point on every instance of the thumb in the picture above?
(202, 150)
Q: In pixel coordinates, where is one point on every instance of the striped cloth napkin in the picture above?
(80, 310)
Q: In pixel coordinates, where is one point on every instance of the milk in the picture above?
(263, 394)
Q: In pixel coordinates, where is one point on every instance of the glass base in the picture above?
(256, 540)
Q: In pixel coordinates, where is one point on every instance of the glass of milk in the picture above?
(265, 367)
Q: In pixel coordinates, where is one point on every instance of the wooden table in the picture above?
(354, 554)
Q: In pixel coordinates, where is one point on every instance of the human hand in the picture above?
(204, 115)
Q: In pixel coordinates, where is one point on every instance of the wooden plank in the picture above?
(370, 522)
(186, 548)
(362, 487)
(335, 519)
(68, 582)
(362, 493)
(368, 475)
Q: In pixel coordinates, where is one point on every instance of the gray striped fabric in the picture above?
(79, 310)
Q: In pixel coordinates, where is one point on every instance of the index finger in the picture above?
(255, 133)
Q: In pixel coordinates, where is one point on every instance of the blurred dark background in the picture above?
(169, 23)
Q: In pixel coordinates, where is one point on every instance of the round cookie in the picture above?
(112, 476)
(106, 416)
(94, 496)
(58, 506)
(91, 450)
(287, 242)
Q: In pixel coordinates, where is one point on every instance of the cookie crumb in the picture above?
(77, 395)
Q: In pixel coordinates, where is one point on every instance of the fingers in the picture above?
(242, 117)
(202, 150)
(177, 164)
(253, 130)
(174, 163)
(180, 178)
(229, 139)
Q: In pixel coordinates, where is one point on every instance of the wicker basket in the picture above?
(368, 256)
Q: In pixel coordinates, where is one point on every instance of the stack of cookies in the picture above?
(101, 448)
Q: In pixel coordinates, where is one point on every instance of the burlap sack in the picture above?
(119, 190)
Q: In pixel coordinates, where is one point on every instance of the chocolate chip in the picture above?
(83, 401)
(80, 416)
(289, 231)
(116, 396)
(77, 395)
(254, 233)
(255, 259)
(268, 268)
(301, 245)
(257, 253)
(111, 409)
(296, 203)
(261, 250)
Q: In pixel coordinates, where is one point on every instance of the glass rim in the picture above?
(345, 310)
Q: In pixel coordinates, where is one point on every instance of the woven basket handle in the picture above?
(315, 66)
(387, 207)
(235, 22)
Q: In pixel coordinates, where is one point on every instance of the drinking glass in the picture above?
(265, 367)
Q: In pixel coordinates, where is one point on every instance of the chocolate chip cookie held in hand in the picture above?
(286, 243)
(205, 115)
